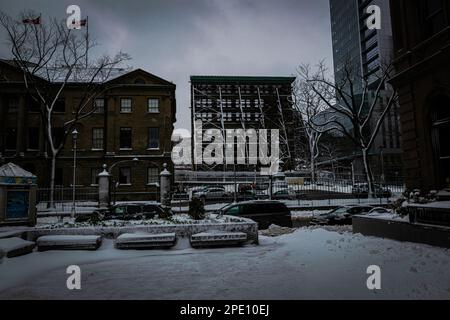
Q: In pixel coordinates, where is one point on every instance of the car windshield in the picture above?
(340, 210)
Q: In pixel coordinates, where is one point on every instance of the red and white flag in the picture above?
(32, 21)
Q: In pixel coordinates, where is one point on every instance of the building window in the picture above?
(59, 176)
(33, 105)
(153, 105)
(33, 138)
(58, 135)
(13, 104)
(153, 138)
(97, 138)
(125, 138)
(11, 139)
(99, 105)
(125, 105)
(60, 105)
(440, 134)
(125, 175)
(152, 175)
(94, 175)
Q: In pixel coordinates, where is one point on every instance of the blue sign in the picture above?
(17, 205)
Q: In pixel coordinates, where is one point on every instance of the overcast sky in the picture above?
(178, 38)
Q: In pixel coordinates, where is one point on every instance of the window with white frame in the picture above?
(152, 175)
(97, 138)
(153, 105)
(153, 138)
(125, 105)
(99, 105)
(94, 175)
(125, 175)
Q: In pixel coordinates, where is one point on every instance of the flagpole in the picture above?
(87, 40)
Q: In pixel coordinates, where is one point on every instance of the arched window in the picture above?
(440, 117)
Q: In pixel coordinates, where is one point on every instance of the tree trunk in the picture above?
(368, 172)
(52, 181)
(312, 163)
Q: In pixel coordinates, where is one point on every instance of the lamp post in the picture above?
(74, 138)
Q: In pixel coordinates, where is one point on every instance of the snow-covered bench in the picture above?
(213, 238)
(69, 242)
(145, 240)
(13, 247)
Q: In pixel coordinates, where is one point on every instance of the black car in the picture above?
(340, 216)
(124, 211)
(264, 213)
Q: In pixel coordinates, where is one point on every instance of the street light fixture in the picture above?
(112, 176)
(74, 138)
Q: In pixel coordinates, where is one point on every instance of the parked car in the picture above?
(263, 212)
(340, 216)
(124, 211)
(362, 190)
(284, 194)
(380, 210)
(211, 193)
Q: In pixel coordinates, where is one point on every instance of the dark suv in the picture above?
(264, 213)
(124, 211)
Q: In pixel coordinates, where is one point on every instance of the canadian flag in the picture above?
(32, 21)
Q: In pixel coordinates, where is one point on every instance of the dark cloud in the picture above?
(177, 38)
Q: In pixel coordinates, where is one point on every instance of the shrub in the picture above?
(166, 214)
(197, 209)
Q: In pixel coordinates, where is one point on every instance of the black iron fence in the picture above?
(326, 189)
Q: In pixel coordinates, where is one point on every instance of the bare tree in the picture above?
(361, 108)
(51, 57)
(308, 103)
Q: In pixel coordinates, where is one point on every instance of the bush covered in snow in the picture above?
(197, 209)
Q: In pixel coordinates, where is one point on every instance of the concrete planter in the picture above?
(247, 226)
(402, 231)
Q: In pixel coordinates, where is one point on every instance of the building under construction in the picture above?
(228, 102)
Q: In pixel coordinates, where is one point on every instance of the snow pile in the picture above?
(68, 242)
(275, 231)
(305, 264)
(13, 247)
(176, 219)
(133, 237)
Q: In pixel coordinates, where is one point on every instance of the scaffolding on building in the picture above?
(222, 102)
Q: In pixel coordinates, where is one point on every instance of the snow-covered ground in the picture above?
(307, 264)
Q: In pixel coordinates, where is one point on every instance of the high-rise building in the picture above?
(365, 53)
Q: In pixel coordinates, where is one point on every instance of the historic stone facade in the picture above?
(135, 120)
(421, 32)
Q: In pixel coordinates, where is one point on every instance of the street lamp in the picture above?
(74, 138)
(110, 172)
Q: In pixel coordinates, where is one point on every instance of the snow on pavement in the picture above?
(307, 264)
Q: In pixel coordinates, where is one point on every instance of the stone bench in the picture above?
(218, 239)
(14, 247)
(69, 242)
(145, 240)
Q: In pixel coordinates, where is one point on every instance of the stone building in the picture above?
(421, 32)
(134, 119)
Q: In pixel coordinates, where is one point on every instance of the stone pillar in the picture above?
(103, 188)
(164, 178)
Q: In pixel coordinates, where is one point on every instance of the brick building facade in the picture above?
(134, 119)
(421, 31)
